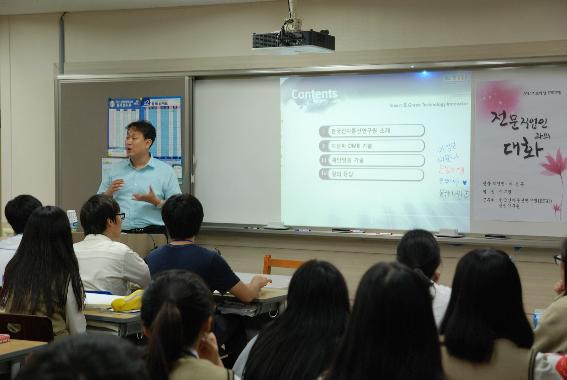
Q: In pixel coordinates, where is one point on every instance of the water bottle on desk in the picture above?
(73, 220)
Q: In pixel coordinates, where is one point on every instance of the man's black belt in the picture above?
(153, 229)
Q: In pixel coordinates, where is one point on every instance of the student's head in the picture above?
(318, 288)
(418, 249)
(18, 211)
(182, 215)
(486, 304)
(86, 357)
(39, 273)
(177, 310)
(391, 332)
(100, 215)
(140, 135)
(308, 331)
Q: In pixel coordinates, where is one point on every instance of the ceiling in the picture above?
(14, 7)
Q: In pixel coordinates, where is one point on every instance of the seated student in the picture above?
(486, 333)
(391, 332)
(43, 276)
(419, 250)
(86, 357)
(177, 315)
(301, 342)
(551, 331)
(183, 215)
(106, 264)
(17, 212)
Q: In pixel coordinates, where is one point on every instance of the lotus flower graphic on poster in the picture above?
(520, 152)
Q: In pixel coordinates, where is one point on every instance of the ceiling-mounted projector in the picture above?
(292, 40)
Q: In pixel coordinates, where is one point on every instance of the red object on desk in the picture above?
(4, 338)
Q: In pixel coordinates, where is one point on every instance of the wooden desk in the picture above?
(16, 350)
(123, 324)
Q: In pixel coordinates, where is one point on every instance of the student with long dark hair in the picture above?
(391, 333)
(177, 314)
(419, 250)
(551, 331)
(17, 212)
(301, 342)
(43, 276)
(486, 333)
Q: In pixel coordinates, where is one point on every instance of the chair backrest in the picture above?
(269, 262)
(28, 327)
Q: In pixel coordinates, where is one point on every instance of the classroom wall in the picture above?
(218, 37)
(28, 52)
(353, 256)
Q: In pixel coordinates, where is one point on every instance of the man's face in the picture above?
(136, 144)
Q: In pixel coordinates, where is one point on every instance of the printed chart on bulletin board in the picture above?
(163, 112)
(121, 112)
(521, 148)
(165, 115)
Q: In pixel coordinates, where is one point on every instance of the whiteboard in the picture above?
(237, 151)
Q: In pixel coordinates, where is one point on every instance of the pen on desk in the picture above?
(302, 229)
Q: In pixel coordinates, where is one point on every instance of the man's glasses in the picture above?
(558, 259)
(122, 215)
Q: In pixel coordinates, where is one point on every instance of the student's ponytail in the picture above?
(175, 308)
(166, 343)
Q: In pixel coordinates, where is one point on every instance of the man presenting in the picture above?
(142, 183)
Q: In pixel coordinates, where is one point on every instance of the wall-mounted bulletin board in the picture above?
(92, 114)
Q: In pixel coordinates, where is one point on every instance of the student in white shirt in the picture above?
(419, 250)
(17, 212)
(106, 264)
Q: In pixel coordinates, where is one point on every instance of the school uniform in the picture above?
(192, 368)
(508, 362)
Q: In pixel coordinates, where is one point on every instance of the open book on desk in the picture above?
(99, 301)
(278, 281)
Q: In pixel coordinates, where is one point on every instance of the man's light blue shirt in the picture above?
(159, 175)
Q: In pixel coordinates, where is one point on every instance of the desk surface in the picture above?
(122, 324)
(17, 349)
(267, 295)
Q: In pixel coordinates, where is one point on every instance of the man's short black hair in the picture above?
(145, 128)
(182, 215)
(18, 211)
(95, 213)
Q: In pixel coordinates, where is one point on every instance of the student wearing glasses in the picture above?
(104, 263)
(551, 332)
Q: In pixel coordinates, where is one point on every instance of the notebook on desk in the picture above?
(278, 281)
(99, 301)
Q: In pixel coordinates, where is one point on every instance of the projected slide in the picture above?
(376, 151)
